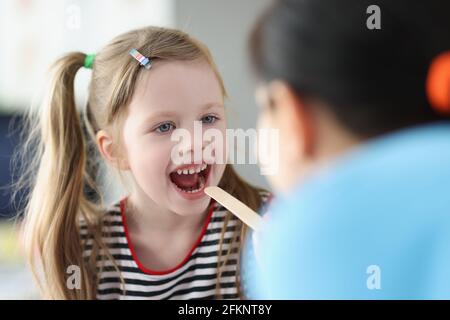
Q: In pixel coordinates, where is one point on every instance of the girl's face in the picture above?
(174, 95)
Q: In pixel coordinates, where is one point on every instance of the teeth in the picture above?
(201, 168)
(192, 170)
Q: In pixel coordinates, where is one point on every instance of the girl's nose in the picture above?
(192, 146)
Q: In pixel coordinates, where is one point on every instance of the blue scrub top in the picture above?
(374, 225)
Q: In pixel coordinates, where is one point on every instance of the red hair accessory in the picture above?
(438, 83)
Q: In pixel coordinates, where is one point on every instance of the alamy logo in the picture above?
(73, 20)
(374, 279)
(236, 146)
(374, 20)
(74, 278)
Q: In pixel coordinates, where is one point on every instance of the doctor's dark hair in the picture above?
(373, 81)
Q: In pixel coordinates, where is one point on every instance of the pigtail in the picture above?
(51, 233)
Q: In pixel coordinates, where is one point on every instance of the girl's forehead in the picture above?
(170, 85)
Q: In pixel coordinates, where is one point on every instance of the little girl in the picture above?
(166, 239)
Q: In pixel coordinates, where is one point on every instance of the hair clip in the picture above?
(143, 61)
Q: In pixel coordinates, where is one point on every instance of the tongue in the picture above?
(185, 180)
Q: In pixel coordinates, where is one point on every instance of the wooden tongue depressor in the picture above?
(240, 210)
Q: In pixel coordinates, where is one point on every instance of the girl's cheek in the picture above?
(153, 154)
(214, 144)
(223, 146)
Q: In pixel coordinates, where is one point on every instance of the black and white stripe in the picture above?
(196, 279)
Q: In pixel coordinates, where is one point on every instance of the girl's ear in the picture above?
(295, 119)
(106, 146)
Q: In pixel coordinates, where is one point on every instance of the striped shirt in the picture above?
(194, 278)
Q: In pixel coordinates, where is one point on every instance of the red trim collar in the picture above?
(179, 265)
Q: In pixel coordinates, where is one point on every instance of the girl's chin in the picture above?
(193, 209)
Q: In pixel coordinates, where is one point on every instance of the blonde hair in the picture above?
(62, 153)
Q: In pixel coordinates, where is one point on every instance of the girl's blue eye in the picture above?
(209, 119)
(165, 127)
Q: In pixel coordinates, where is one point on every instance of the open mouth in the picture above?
(190, 179)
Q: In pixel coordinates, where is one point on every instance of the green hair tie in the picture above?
(89, 60)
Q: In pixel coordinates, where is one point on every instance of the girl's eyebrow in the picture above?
(211, 105)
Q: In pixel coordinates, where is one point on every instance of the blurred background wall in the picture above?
(33, 33)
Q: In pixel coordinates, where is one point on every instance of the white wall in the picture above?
(34, 33)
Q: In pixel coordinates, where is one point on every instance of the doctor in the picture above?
(363, 185)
